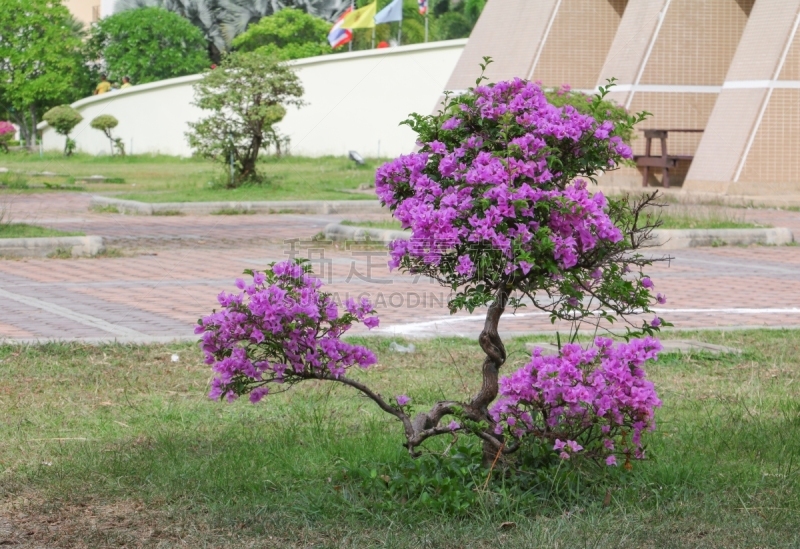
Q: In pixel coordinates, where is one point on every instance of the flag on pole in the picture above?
(339, 36)
(362, 18)
(423, 7)
(391, 13)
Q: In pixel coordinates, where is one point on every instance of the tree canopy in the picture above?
(288, 34)
(223, 20)
(40, 61)
(63, 120)
(147, 44)
(244, 97)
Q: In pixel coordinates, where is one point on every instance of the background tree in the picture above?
(223, 20)
(40, 61)
(452, 25)
(456, 18)
(288, 34)
(246, 96)
(206, 15)
(473, 9)
(63, 120)
(146, 44)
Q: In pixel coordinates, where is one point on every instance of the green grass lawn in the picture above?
(160, 178)
(676, 216)
(390, 224)
(23, 230)
(118, 445)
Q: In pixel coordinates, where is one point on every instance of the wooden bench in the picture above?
(665, 161)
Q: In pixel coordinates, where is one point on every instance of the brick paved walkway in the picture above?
(175, 266)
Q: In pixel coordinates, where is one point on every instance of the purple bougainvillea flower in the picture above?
(451, 123)
(574, 446)
(603, 386)
(280, 326)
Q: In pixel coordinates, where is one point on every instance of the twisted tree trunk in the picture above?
(426, 424)
(495, 351)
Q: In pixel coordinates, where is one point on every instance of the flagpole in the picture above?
(350, 43)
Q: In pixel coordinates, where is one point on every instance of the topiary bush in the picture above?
(105, 123)
(498, 205)
(63, 120)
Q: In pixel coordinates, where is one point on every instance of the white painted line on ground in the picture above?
(735, 311)
(86, 320)
(412, 327)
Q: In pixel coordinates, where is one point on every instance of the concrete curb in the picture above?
(79, 246)
(677, 239)
(665, 239)
(102, 340)
(336, 231)
(323, 207)
(704, 197)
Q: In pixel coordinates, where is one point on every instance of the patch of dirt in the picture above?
(32, 521)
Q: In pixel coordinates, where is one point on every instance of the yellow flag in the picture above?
(362, 18)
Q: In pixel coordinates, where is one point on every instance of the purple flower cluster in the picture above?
(488, 181)
(279, 328)
(6, 128)
(596, 402)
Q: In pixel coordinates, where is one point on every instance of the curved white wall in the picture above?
(355, 101)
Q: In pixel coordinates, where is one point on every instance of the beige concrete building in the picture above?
(751, 145)
(85, 11)
(554, 41)
(728, 70)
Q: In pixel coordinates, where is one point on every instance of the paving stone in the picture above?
(175, 266)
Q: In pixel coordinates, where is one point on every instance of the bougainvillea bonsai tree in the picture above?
(498, 205)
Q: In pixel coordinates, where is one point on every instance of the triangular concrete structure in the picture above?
(751, 146)
(554, 41)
